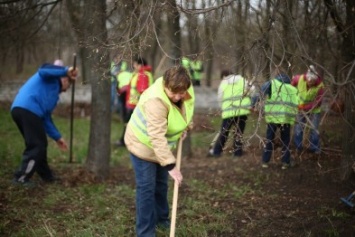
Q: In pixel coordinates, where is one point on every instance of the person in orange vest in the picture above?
(141, 79)
(310, 94)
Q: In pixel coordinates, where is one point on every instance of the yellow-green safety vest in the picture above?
(123, 67)
(306, 96)
(123, 78)
(196, 67)
(133, 93)
(281, 107)
(234, 102)
(177, 123)
(185, 63)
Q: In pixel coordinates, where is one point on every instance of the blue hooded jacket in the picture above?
(40, 95)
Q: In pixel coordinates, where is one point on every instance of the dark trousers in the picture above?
(285, 140)
(239, 122)
(129, 113)
(34, 157)
(123, 109)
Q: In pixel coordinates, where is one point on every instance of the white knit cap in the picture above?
(58, 62)
(311, 73)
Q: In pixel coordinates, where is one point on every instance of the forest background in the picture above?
(251, 38)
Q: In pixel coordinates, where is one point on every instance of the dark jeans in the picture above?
(285, 140)
(34, 157)
(152, 206)
(312, 121)
(239, 122)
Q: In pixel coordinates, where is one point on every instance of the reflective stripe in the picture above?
(280, 103)
(234, 98)
(233, 107)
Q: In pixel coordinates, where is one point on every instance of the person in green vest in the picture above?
(234, 95)
(280, 112)
(196, 71)
(186, 63)
(162, 116)
(141, 79)
(310, 94)
(117, 65)
(123, 79)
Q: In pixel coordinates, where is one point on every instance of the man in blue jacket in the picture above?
(31, 111)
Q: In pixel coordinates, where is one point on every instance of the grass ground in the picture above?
(219, 197)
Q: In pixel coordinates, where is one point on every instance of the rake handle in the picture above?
(176, 192)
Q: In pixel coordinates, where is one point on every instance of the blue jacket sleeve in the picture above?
(266, 89)
(49, 71)
(50, 128)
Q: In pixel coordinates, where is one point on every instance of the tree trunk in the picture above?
(348, 52)
(347, 32)
(100, 128)
(174, 32)
(92, 35)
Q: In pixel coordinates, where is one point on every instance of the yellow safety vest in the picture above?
(177, 123)
(123, 78)
(196, 67)
(281, 106)
(234, 103)
(133, 93)
(306, 96)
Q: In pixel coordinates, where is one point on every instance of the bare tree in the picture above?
(90, 25)
(346, 28)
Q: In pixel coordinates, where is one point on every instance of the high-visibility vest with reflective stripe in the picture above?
(133, 93)
(123, 78)
(281, 107)
(306, 96)
(177, 123)
(196, 67)
(234, 102)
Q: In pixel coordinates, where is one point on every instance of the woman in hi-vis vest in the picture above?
(310, 95)
(163, 115)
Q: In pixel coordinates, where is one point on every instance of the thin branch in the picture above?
(202, 11)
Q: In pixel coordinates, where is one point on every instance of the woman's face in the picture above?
(175, 96)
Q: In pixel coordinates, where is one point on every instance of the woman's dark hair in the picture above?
(140, 60)
(225, 73)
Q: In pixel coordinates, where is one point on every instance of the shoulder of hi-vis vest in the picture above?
(177, 122)
(281, 107)
(123, 78)
(307, 96)
(234, 101)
